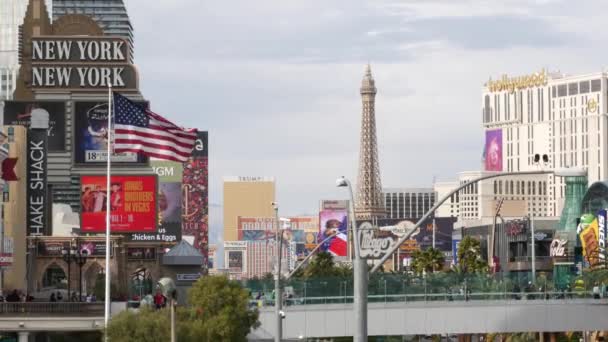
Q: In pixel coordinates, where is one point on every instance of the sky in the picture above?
(276, 83)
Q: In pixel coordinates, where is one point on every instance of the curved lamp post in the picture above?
(359, 270)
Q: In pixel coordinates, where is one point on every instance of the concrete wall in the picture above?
(334, 320)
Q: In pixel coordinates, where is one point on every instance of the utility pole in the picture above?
(533, 247)
(278, 295)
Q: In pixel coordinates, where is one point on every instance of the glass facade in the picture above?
(576, 187)
(111, 15)
(596, 198)
(11, 16)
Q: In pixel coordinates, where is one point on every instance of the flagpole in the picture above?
(108, 209)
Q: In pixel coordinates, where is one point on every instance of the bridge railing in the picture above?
(67, 309)
(439, 297)
(433, 287)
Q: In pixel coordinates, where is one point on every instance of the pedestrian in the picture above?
(159, 300)
(53, 299)
(59, 296)
(74, 297)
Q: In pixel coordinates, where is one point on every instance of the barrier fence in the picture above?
(445, 286)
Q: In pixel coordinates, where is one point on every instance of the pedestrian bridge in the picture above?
(440, 316)
(56, 316)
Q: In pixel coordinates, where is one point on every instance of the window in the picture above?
(572, 89)
(553, 94)
(596, 85)
(562, 90)
(583, 87)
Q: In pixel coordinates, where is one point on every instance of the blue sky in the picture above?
(276, 83)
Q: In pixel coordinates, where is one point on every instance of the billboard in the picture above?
(53, 248)
(132, 201)
(91, 135)
(455, 245)
(601, 236)
(37, 195)
(195, 203)
(423, 237)
(493, 150)
(18, 113)
(169, 203)
(235, 260)
(141, 253)
(593, 238)
(333, 218)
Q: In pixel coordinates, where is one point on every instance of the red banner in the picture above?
(132, 202)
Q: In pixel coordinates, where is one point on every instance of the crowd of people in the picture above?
(16, 296)
(90, 298)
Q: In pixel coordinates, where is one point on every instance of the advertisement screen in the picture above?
(132, 201)
(91, 135)
(18, 113)
(330, 222)
(169, 203)
(195, 204)
(235, 260)
(54, 249)
(493, 150)
(423, 237)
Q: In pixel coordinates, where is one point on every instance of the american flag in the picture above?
(137, 129)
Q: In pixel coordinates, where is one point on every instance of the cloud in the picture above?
(277, 83)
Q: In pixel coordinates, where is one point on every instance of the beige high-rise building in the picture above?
(246, 196)
(14, 202)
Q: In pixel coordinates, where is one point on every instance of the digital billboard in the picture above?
(333, 218)
(91, 135)
(169, 203)
(132, 204)
(195, 203)
(18, 113)
(493, 150)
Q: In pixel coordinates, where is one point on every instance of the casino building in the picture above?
(56, 125)
(559, 119)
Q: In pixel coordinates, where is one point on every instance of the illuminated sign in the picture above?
(132, 203)
(510, 84)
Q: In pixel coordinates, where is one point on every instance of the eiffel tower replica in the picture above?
(368, 201)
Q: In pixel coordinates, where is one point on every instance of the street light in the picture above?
(67, 252)
(359, 271)
(81, 259)
(278, 296)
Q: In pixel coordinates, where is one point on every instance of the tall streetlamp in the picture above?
(67, 253)
(278, 295)
(81, 259)
(359, 271)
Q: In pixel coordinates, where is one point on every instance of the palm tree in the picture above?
(429, 260)
(469, 256)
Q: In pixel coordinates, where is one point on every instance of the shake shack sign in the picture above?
(36, 178)
(81, 63)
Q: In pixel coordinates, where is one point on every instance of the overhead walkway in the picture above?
(477, 313)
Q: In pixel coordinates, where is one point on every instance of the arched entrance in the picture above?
(54, 278)
(93, 274)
